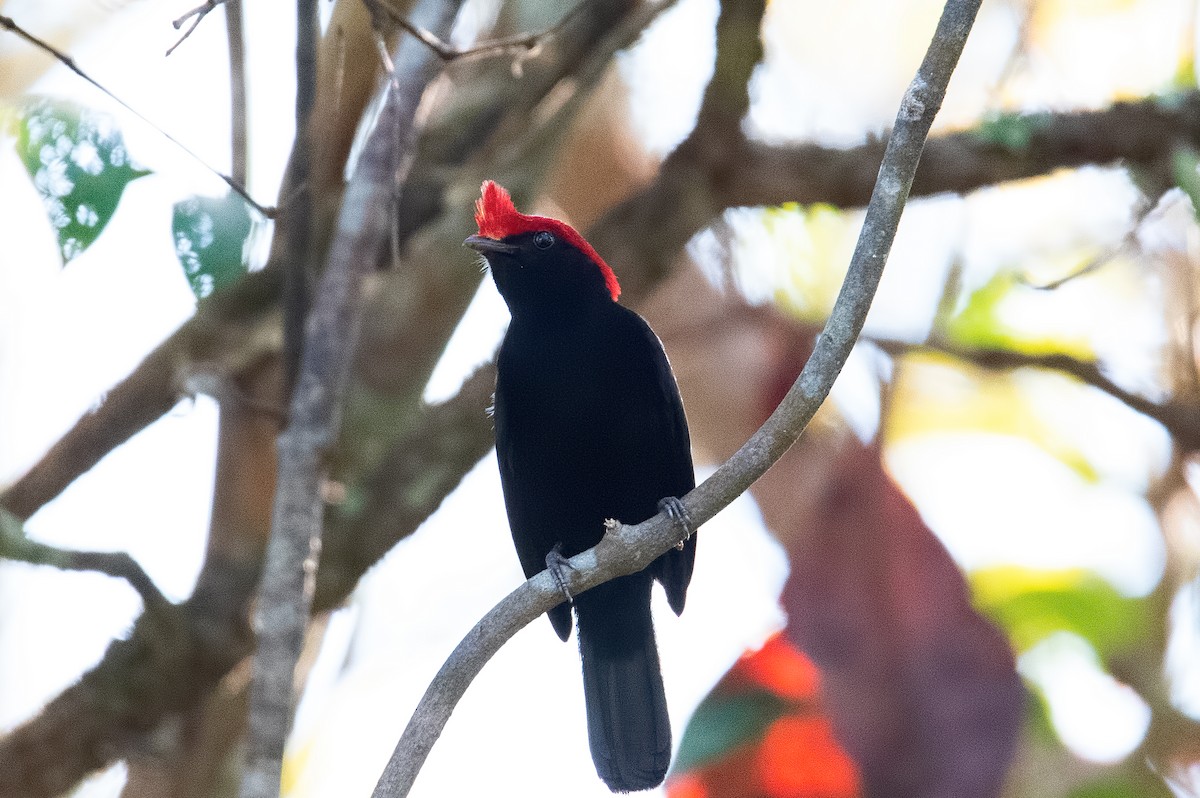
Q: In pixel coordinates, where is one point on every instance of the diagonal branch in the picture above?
(687, 195)
(196, 15)
(231, 331)
(520, 44)
(1140, 133)
(1181, 420)
(443, 444)
(629, 549)
(16, 545)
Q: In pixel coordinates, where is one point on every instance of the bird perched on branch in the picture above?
(589, 426)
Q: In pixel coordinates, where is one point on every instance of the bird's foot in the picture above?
(558, 565)
(679, 515)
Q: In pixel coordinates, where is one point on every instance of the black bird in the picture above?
(589, 426)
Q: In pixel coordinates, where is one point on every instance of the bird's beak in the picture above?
(488, 246)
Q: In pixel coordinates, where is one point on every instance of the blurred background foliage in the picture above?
(992, 530)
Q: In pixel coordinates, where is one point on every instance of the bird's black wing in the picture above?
(666, 456)
(528, 524)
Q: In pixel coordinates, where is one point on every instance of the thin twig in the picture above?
(16, 545)
(520, 44)
(8, 24)
(1181, 420)
(329, 342)
(199, 12)
(627, 549)
(1016, 57)
(1129, 243)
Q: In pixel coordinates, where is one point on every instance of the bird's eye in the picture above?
(543, 240)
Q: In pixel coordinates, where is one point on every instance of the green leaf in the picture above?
(982, 322)
(210, 240)
(724, 722)
(978, 324)
(78, 163)
(1032, 604)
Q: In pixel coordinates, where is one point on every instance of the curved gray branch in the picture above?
(627, 549)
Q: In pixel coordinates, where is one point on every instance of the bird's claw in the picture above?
(679, 515)
(557, 565)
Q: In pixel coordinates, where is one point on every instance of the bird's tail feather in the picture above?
(628, 726)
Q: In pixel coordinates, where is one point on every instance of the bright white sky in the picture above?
(66, 335)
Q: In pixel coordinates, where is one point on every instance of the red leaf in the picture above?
(785, 750)
(687, 785)
(799, 758)
(777, 667)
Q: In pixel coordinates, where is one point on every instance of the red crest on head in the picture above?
(498, 218)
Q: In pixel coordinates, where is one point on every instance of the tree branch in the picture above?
(521, 44)
(686, 197)
(16, 545)
(699, 182)
(236, 326)
(286, 594)
(1181, 420)
(421, 468)
(230, 332)
(625, 549)
(1142, 133)
(726, 99)
(199, 12)
(308, 31)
